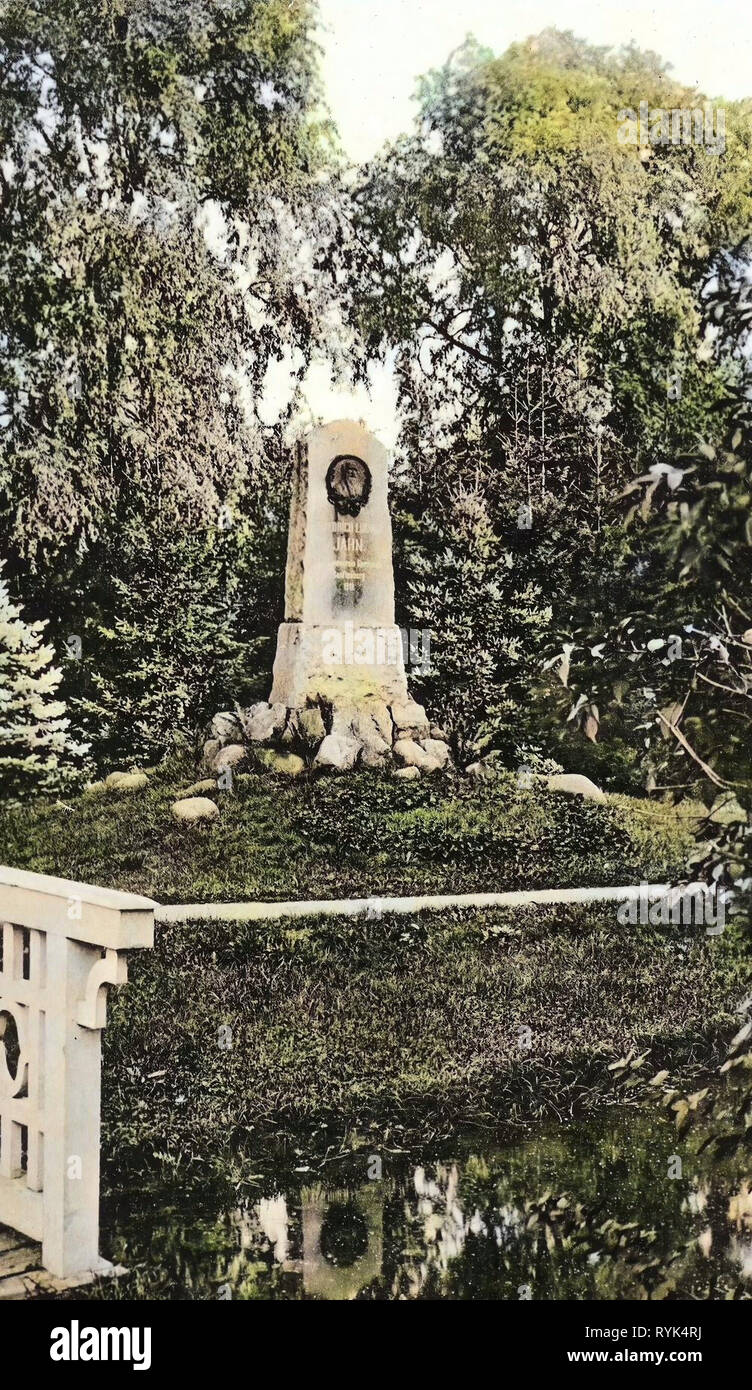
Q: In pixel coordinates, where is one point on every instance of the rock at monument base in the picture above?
(305, 728)
(376, 759)
(342, 721)
(262, 722)
(410, 721)
(311, 724)
(373, 724)
(286, 764)
(338, 753)
(370, 726)
(436, 748)
(209, 752)
(575, 785)
(225, 727)
(412, 755)
(407, 774)
(195, 810)
(126, 782)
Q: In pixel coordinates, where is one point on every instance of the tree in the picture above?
(161, 216)
(190, 635)
(543, 285)
(678, 664)
(37, 753)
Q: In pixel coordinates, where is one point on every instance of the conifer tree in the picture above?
(36, 751)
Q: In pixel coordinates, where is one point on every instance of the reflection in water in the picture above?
(333, 1266)
(587, 1212)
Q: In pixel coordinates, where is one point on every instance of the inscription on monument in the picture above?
(351, 541)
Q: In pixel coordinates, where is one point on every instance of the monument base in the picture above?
(340, 665)
(339, 727)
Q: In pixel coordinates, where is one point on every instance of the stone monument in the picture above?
(339, 693)
(338, 642)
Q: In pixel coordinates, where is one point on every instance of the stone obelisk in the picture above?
(339, 696)
(339, 642)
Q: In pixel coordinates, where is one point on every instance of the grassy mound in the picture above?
(364, 835)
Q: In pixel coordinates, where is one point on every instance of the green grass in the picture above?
(235, 1039)
(360, 836)
(399, 1029)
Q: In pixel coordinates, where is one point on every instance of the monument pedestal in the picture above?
(339, 666)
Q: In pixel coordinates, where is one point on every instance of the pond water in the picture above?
(598, 1209)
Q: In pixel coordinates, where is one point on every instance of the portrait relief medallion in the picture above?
(348, 484)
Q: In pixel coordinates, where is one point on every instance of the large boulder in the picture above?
(125, 783)
(195, 810)
(407, 774)
(262, 722)
(370, 725)
(286, 764)
(373, 723)
(411, 754)
(574, 784)
(410, 720)
(338, 753)
(343, 718)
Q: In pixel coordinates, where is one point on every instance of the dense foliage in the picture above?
(546, 287)
(677, 665)
(161, 217)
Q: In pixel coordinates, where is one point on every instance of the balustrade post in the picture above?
(64, 943)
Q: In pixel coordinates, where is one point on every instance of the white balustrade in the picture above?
(62, 945)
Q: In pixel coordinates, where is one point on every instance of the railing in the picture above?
(62, 945)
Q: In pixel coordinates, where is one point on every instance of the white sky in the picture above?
(375, 49)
